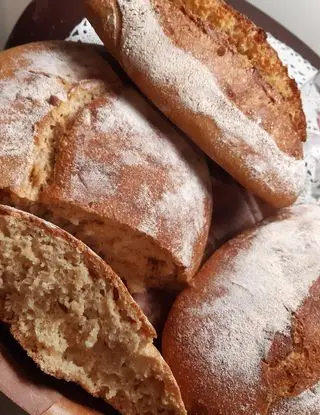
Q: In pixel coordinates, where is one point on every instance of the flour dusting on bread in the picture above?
(27, 98)
(22, 108)
(263, 284)
(64, 64)
(133, 139)
(307, 403)
(151, 51)
(86, 147)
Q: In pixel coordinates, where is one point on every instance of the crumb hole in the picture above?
(221, 51)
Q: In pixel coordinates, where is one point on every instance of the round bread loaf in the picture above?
(245, 338)
(84, 150)
(76, 319)
(211, 71)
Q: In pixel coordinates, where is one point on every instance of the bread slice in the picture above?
(95, 158)
(75, 318)
(212, 72)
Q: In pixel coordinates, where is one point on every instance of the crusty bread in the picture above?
(245, 338)
(75, 318)
(213, 74)
(84, 150)
(307, 403)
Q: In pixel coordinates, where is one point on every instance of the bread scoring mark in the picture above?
(22, 107)
(292, 364)
(24, 102)
(150, 51)
(37, 85)
(265, 278)
(59, 63)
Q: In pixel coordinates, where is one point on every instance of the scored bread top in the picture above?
(79, 143)
(248, 330)
(249, 40)
(33, 79)
(122, 160)
(195, 75)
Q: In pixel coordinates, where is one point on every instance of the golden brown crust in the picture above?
(78, 62)
(292, 364)
(289, 365)
(261, 95)
(131, 173)
(131, 179)
(251, 41)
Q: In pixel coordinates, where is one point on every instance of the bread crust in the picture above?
(250, 41)
(82, 62)
(255, 82)
(133, 170)
(98, 269)
(289, 365)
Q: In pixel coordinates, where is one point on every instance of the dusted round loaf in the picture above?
(86, 151)
(245, 338)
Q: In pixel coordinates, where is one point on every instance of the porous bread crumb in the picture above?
(73, 316)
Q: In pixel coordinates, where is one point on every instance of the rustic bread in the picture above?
(307, 403)
(213, 74)
(84, 150)
(75, 318)
(245, 338)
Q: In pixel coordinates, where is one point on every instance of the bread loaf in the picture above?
(211, 71)
(307, 403)
(75, 318)
(84, 150)
(245, 338)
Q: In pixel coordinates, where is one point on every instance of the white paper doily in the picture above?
(299, 69)
(84, 33)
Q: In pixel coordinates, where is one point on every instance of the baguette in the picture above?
(211, 71)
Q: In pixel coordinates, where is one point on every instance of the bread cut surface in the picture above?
(244, 339)
(232, 96)
(95, 158)
(75, 318)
